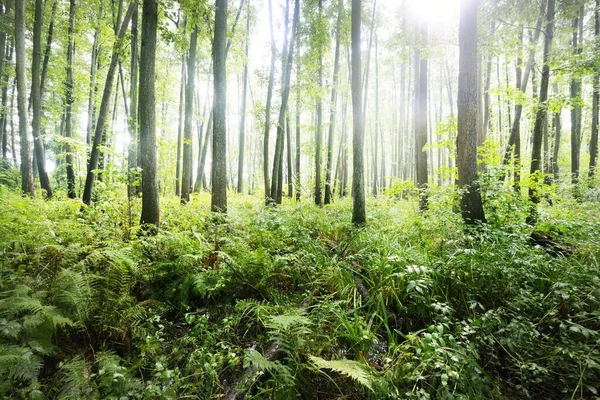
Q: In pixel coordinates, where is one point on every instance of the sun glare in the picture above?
(432, 11)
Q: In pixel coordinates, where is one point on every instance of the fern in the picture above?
(280, 372)
(75, 379)
(19, 363)
(349, 368)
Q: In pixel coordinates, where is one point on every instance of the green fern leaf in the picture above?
(349, 368)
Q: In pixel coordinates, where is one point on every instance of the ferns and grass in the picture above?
(88, 309)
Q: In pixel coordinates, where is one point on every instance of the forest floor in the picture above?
(295, 302)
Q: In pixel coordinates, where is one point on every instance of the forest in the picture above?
(299, 199)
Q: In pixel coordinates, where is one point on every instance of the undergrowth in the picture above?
(409, 306)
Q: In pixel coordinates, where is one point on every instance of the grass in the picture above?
(409, 306)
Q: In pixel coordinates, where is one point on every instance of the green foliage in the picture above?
(410, 306)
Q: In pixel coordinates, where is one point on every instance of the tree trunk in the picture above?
(421, 119)
(69, 99)
(576, 100)
(267, 181)
(103, 113)
(147, 115)
(36, 100)
(595, 101)
(319, 127)
(336, 69)
(180, 129)
(298, 147)
(557, 137)
(290, 173)
(219, 154)
(26, 166)
(240, 182)
(48, 49)
(359, 216)
(186, 178)
(92, 88)
(515, 132)
(542, 113)
(468, 92)
(287, 60)
(132, 153)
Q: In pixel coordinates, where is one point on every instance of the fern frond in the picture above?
(19, 363)
(351, 369)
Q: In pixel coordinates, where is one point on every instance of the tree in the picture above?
(240, 182)
(468, 93)
(69, 99)
(336, 69)
(542, 113)
(26, 170)
(266, 178)
(186, 176)
(219, 151)
(359, 216)
(421, 72)
(103, 113)
(595, 100)
(576, 111)
(147, 115)
(132, 153)
(287, 60)
(36, 100)
(319, 127)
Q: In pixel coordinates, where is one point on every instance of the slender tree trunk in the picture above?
(336, 70)
(290, 172)
(540, 120)
(421, 120)
(186, 180)
(240, 183)
(267, 180)
(36, 100)
(180, 129)
(359, 216)
(132, 153)
(516, 126)
(595, 101)
(48, 49)
(219, 154)
(147, 115)
(26, 167)
(207, 140)
(287, 61)
(557, 138)
(92, 88)
(576, 113)
(69, 99)
(468, 92)
(298, 147)
(515, 132)
(319, 127)
(103, 113)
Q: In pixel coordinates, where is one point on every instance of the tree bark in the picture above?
(92, 88)
(319, 127)
(132, 153)
(186, 176)
(26, 166)
(240, 182)
(69, 99)
(595, 101)
(421, 120)
(336, 69)
(219, 153)
(147, 115)
(576, 111)
(541, 116)
(359, 216)
(36, 100)
(267, 180)
(103, 113)
(276, 187)
(180, 129)
(468, 92)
